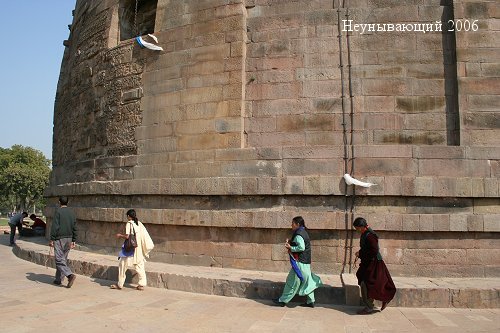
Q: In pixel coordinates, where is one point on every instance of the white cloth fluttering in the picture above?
(352, 181)
(148, 45)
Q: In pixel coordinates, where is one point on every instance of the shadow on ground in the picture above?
(40, 278)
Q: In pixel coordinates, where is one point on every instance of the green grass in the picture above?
(4, 221)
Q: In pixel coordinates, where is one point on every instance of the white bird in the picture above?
(352, 181)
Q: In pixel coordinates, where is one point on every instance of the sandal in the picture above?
(114, 286)
(141, 288)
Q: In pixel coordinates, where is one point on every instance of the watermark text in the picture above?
(437, 26)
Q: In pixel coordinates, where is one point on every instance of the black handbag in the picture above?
(131, 242)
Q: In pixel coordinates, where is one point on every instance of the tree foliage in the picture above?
(24, 174)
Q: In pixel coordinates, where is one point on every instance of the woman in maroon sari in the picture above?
(373, 276)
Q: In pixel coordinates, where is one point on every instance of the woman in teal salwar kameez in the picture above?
(300, 279)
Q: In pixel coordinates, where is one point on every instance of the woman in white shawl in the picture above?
(135, 258)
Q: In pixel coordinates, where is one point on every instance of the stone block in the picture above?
(463, 187)
(492, 223)
(272, 108)
(201, 95)
(320, 88)
(381, 121)
(293, 185)
(260, 125)
(439, 152)
(208, 80)
(441, 222)
(317, 74)
(426, 87)
(377, 221)
(252, 168)
(108, 162)
(481, 120)
(483, 257)
(478, 187)
(483, 137)
(483, 103)
(352, 289)
(458, 222)
(312, 152)
(379, 103)
(309, 167)
(483, 153)
(276, 139)
(409, 137)
(495, 170)
(475, 223)
(392, 185)
(444, 187)
(419, 104)
(491, 187)
(411, 222)
(424, 186)
(386, 166)
(270, 91)
(443, 167)
(426, 222)
(426, 71)
(479, 86)
(385, 87)
(267, 220)
(312, 185)
(409, 298)
(383, 151)
(292, 123)
(249, 186)
(394, 222)
(324, 138)
(435, 298)
(269, 185)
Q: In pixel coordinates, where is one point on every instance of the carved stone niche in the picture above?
(134, 24)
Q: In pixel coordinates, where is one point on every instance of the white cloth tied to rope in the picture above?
(148, 45)
(352, 181)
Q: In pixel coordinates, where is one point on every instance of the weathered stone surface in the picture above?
(250, 117)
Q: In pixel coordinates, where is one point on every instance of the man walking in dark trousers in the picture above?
(62, 239)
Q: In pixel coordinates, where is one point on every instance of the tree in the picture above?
(24, 174)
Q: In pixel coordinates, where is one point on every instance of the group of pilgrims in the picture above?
(373, 276)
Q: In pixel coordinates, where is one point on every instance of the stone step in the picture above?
(412, 291)
(435, 292)
(196, 279)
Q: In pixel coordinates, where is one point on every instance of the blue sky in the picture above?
(30, 59)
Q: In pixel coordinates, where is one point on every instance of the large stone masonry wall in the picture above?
(238, 125)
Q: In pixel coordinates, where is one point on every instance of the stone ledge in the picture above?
(272, 219)
(434, 292)
(203, 280)
(412, 291)
(425, 185)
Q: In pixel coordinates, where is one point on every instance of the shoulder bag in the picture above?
(131, 242)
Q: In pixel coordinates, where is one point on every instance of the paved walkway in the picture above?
(30, 303)
(412, 291)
